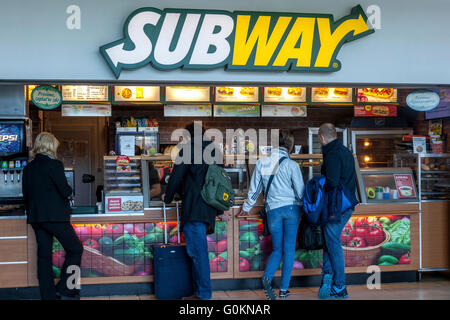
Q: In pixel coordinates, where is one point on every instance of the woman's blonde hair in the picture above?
(45, 142)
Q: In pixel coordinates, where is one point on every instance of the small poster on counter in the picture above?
(127, 145)
(405, 186)
(124, 204)
(419, 145)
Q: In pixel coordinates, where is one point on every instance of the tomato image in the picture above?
(128, 227)
(244, 265)
(91, 243)
(113, 230)
(58, 258)
(346, 235)
(376, 225)
(360, 232)
(356, 242)
(218, 264)
(221, 246)
(83, 232)
(360, 222)
(260, 229)
(375, 236)
(96, 231)
(405, 259)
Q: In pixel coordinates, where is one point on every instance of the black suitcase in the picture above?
(172, 276)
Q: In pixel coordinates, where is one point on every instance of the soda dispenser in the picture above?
(13, 159)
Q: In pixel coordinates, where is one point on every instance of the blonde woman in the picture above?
(46, 193)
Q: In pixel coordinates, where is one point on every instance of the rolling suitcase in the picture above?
(172, 267)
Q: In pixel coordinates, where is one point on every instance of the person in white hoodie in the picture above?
(282, 204)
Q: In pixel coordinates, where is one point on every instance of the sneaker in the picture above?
(284, 293)
(270, 294)
(339, 292)
(325, 287)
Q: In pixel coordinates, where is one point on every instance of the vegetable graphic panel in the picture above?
(377, 241)
(126, 249)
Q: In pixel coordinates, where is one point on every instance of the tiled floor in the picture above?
(431, 289)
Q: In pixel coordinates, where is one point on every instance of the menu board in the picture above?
(86, 110)
(236, 94)
(405, 186)
(187, 110)
(284, 94)
(283, 111)
(85, 93)
(375, 111)
(331, 95)
(187, 94)
(136, 94)
(376, 95)
(237, 110)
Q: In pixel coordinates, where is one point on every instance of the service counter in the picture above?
(118, 246)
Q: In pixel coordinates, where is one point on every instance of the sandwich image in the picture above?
(295, 91)
(384, 93)
(225, 91)
(380, 110)
(247, 91)
(322, 92)
(342, 92)
(274, 91)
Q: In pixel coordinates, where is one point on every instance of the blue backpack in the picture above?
(322, 207)
(315, 201)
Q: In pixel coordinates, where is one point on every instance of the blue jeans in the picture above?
(197, 249)
(333, 255)
(283, 224)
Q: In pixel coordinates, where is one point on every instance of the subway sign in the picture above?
(205, 39)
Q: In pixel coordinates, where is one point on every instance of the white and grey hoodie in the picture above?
(287, 185)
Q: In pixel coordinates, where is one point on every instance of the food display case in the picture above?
(374, 148)
(387, 185)
(432, 173)
(124, 182)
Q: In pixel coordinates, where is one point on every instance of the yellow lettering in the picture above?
(260, 34)
(303, 27)
(329, 41)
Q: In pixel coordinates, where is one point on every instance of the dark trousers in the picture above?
(65, 234)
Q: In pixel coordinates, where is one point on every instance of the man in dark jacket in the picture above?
(197, 217)
(338, 167)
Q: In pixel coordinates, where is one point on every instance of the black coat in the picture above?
(46, 191)
(338, 166)
(189, 179)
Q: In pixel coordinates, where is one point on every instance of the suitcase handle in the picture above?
(165, 221)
